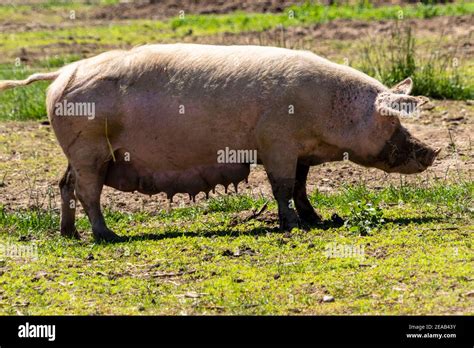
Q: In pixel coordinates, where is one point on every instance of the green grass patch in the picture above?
(455, 198)
(22, 103)
(198, 260)
(436, 75)
(29, 102)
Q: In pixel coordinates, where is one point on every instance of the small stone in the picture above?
(328, 298)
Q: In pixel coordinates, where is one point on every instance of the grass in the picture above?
(198, 260)
(22, 103)
(435, 75)
(28, 103)
(309, 13)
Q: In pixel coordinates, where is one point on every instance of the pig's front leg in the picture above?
(304, 208)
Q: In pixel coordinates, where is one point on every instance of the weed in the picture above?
(365, 217)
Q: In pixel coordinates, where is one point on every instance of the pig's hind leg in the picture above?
(68, 204)
(281, 174)
(89, 173)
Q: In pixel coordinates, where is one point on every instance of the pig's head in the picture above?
(400, 152)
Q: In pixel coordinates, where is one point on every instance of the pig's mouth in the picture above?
(418, 161)
(427, 157)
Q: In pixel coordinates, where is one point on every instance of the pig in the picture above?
(163, 114)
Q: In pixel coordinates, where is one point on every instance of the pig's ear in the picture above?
(403, 87)
(401, 105)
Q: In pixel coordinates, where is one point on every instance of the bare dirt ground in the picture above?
(344, 29)
(31, 164)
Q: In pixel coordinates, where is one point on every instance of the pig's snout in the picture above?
(405, 154)
(428, 156)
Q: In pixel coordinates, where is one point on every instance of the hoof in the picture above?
(308, 223)
(288, 226)
(107, 236)
(337, 220)
(70, 233)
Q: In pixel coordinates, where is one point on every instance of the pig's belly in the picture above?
(179, 153)
(129, 177)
